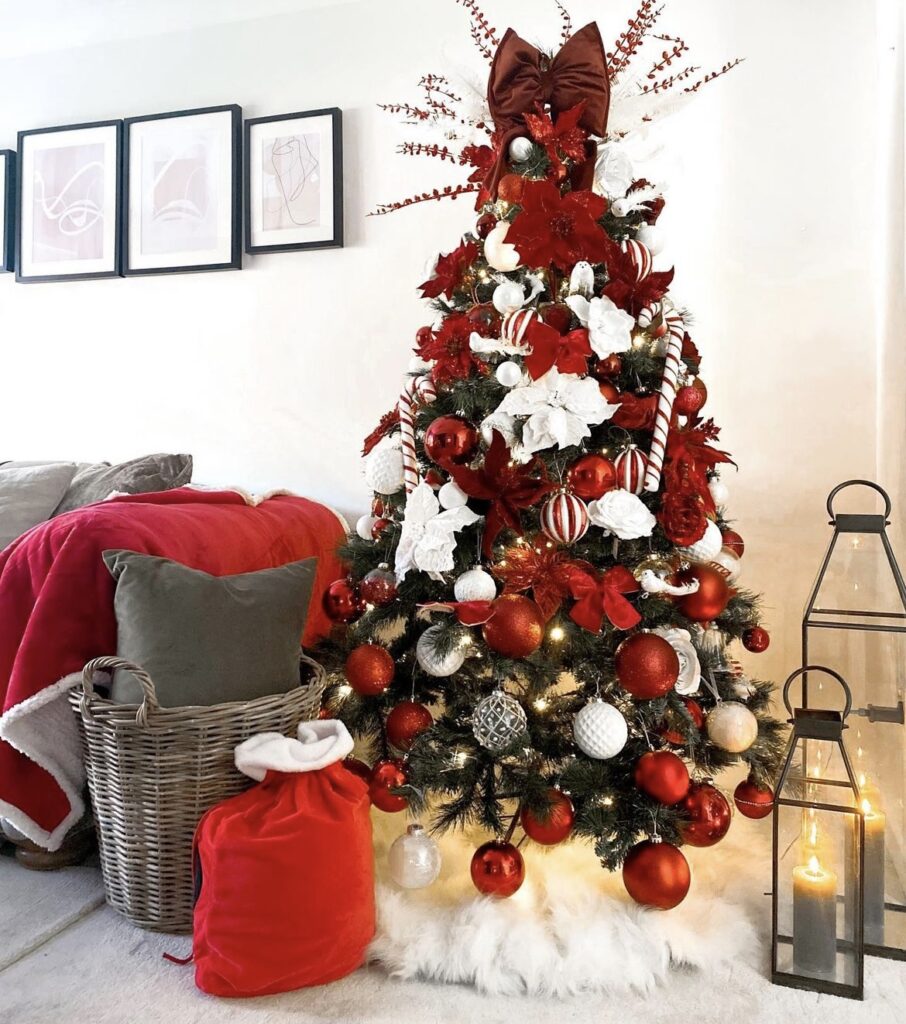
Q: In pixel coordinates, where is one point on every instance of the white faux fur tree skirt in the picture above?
(571, 928)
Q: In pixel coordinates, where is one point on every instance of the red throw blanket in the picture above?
(56, 613)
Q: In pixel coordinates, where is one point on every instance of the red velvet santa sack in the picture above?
(285, 871)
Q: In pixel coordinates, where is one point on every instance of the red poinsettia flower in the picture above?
(563, 139)
(482, 158)
(552, 228)
(448, 273)
(545, 571)
(688, 458)
(387, 422)
(449, 348)
(507, 485)
(622, 286)
(568, 352)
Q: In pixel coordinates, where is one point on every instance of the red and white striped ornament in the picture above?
(515, 325)
(665, 400)
(416, 389)
(640, 257)
(630, 465)
(564, 518)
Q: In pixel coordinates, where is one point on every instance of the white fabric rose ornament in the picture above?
(690, 669)
(623, 514)
(428, 537)
(609, 327)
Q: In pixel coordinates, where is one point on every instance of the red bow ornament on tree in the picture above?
(604, 595)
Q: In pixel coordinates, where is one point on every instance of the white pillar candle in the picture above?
(814, 920)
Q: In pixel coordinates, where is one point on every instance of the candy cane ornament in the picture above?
(416, 388)
(665, 401)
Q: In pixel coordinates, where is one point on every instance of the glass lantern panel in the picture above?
(818, 773)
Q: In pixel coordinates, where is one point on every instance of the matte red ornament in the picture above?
(698, 720)
(646, 666)
(342, 601)
(691, 398)
(369, 669)
(609, 366)
(386, 775)
(497, 869)
(485, 225)
(663, 776)
(556, 826)
(407, 721)
(516, 626)
(756, 639)
(712, 596)
(709, 815)
(378, 587)
(378, 527)
(733, 542)
(450, 440)
(357, 767)
(656, 874)
(752, 800)
(591, 476)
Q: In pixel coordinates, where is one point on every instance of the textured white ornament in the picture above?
(431, 661)
(498, 721)
(451, 495)
(707, 547)
(600, 730)
(732, 727)
(719, 491)
(508, 297)
(364, 526)
(730, 562)
(497, 251)
(414, 859)
(508, 374)
(651, 237)
(520, 149)
(384, 468)
(475, 585)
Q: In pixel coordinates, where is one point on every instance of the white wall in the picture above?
(272, 376)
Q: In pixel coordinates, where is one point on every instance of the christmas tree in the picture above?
(537, 619)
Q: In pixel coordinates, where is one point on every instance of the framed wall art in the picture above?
(182, 191)
(69, 202)
(294, 181)
(7, 209)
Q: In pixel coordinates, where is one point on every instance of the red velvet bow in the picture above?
(522, 79)
(568, 352)
(596, 598)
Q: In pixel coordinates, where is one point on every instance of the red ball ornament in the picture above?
(485, 225)
(663, 776)
(564, 518)
(609, 392)
(484, 317)
(357, 767)
(691, 398)
(733, 542)
(609, 366)
(752, 800)
(407, 721)
(386, 775)
(756, 639)
(709, 815)
(450, 440)
(646, 665)
(556, 826)
(378, 587)
(630, 465)
(656, 874)
(698, 720)
(378, 527)
(423, 336)
(516, 626)
(712, 595)
(497, 869)
(342, 601)
(591, 476)
(511, 188)
(369, 669)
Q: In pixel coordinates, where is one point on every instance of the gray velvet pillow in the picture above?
(208, 639)
(94, 482)
(29, 494)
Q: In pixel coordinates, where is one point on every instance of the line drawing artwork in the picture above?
(68, 221)
(179, 209)
(291, 182)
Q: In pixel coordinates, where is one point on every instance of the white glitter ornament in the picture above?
(707, 547)
(719, 491)
(451, 495)
(384, 468)
(508, 297)
(364, 526)
(497, 251)
(414, 859)
(520, 149)
(600, 730)
(475, 585)
(498, 721)
(509, 374)
(651, 237)
(732, 727)
(730, 562)
(431, 661)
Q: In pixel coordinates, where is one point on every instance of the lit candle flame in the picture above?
(814, 868)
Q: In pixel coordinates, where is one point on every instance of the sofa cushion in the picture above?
(29, 495)
(96, 481)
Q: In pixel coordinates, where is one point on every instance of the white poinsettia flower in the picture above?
(690, 669)
(559, 408)
(609, 327)
(428, 536)
(623, 514)
(504, 424)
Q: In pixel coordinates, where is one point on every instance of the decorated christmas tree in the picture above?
(536, 630)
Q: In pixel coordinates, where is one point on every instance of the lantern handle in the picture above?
(827, 671)
(857, 483)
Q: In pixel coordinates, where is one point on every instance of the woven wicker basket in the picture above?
(153, 772)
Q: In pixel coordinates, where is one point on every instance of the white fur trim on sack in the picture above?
(320, 743)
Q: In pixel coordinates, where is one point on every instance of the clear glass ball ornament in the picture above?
(414, 859)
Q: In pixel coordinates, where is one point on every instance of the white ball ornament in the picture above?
(707, 547)
(364, 526)
(498, 721)
(451, 495)
(475, 585)
(520, 149)
(508, 297)
(651, 237)
(732, 727)
(497, 251)
(600, 730)
(414, 859)
(433, 662)
(729, 562)
(719, 491)
(384, 469)
(508, 374)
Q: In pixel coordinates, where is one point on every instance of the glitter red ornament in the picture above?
(592, 476)
(369, 669)
(663, 776)
(656, 874)
(450, 440)
(691, 398)
(677, 737)
(709, 815)
(342, 601)
(516, 627)
(712, 596)
(646, 666)
(733, 542)
(752, 800)
(407, 721)
(497, 869)
(556, 825)
(386, 775)
(378, 587)
(756, 639)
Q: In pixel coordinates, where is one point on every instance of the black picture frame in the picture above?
(235, 260)
(335, 241)
(8, 199)
(23, 193)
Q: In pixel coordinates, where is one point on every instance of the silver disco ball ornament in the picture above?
(498, 721)
(600, 730)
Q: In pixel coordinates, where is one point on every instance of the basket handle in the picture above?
(149, 702)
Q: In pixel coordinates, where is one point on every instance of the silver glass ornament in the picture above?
(497, 721)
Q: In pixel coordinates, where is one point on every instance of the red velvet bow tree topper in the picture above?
(604, 595)
(508, 486)
(552, 228)
(543, 570)
(448, 273)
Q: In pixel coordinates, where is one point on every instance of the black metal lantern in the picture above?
(855, 621)
(818, 855)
